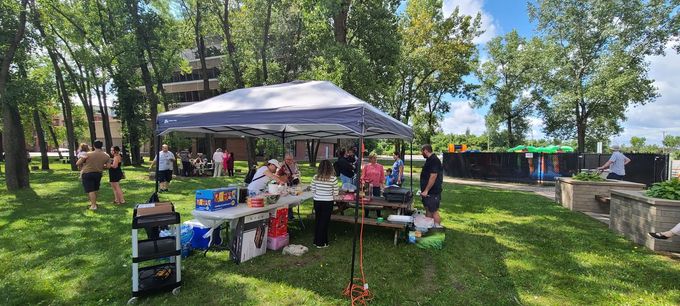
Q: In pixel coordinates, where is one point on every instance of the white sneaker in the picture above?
(438, 226)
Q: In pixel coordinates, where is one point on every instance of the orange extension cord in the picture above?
(357, 290)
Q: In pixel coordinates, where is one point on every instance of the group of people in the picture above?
(92, 164)
(325, 185)
(222, 163)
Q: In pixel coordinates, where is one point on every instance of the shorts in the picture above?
(431, 202)
(614, 176)
(165, 176)
(91, 181)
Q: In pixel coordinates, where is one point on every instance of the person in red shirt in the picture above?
(374, 174)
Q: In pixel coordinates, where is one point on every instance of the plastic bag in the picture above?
(420, 221)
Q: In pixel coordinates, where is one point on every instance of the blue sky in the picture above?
(502, 16)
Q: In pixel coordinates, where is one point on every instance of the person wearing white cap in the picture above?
(616, 164)
(263, 176)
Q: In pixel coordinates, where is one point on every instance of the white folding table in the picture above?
(213, 219)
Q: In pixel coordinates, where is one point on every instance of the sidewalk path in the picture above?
(545, 191)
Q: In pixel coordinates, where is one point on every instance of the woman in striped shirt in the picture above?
(324, 189)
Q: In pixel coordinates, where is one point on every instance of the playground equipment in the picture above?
(453, 148)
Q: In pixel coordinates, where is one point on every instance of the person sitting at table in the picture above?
(374, 174)
(263, 176)
(290, 171)
(324, 188)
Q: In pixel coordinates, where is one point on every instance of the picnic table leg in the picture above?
(396, 235)
(302, 224)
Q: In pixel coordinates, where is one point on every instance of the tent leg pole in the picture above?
(411, 162)
(356, 210)
(283, 145)
(158, 141)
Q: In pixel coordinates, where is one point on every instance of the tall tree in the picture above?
(507, 82)
(599, 66)
(437, 52)
(62, 90)
(13, 28)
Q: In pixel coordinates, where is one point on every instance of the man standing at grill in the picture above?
(431, 178)
(616, 164)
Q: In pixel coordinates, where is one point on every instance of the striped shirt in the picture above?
(324, 190)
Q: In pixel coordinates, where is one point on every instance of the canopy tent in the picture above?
(295, 110)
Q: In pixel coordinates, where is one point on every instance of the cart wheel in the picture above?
(132, 300)
(176, 291)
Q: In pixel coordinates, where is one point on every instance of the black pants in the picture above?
(230, 171)
(322, 213)
(186, 168)
(376, 194)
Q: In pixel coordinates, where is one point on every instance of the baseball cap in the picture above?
(274, 162)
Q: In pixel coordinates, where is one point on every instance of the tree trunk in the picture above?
(54, 136)
(103, 110)
(231, 48)
(146, 76)
(265, 42)
(313, 151)
(62, 92)
(340, 22)
(16, 164)
(41, 140)
(250, 148)
(581, 136)
(200, 46)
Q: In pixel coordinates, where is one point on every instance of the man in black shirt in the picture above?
(344, 168)
(431, 178)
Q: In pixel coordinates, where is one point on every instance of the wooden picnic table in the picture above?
(374, 204)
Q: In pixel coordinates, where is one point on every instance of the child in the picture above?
(324, 189)
(84, 148)
(389, 179)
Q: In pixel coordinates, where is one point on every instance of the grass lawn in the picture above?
(501, 248)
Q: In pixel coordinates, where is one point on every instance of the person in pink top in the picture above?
(374, 174)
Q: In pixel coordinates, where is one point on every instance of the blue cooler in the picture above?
(197, 241)
(216, 199)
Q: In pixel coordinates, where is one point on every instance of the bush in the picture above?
(588, 177)
(669, 190)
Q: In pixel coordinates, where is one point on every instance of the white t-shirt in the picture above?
(165, 160)
(217, 157)
(259, 182)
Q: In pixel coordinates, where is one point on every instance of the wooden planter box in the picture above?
(580, 195)
(634, 215)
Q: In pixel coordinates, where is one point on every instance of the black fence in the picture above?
(543, 167)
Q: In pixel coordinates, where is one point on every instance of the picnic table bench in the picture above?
(375, 203)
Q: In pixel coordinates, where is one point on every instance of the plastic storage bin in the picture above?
(276, 243)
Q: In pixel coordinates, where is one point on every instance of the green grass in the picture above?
(501, 248)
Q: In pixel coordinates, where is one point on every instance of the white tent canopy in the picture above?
(295, 110)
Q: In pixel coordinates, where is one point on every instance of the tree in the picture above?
(436, 53)
(671, 142)
(598, 67)
(637, 143)
(506, 82)
(12, 28)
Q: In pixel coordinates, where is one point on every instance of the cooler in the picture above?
(197, 241)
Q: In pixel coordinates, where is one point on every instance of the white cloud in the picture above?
(663, 115)
(535, 128)
(463, 117)
(471, 8)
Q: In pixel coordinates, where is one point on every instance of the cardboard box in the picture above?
(154, 209)
(216, 199)
(278, 223)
